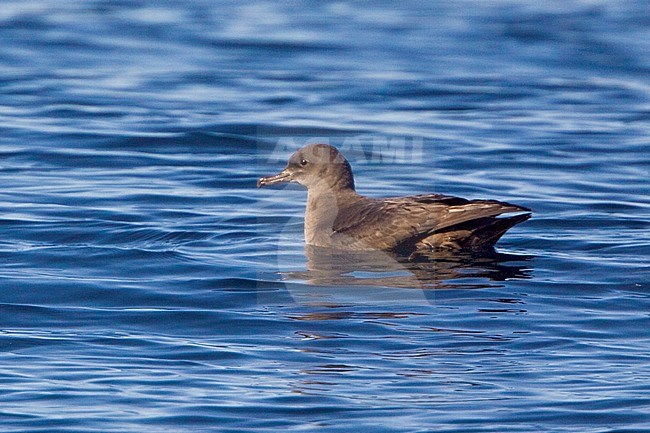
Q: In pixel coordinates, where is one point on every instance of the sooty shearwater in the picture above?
(337, 217)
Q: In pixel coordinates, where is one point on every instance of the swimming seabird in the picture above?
(337, 217)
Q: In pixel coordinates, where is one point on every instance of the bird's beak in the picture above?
(283, 176)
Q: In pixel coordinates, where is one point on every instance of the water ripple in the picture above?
(146, 284)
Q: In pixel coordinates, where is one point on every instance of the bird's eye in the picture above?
(303, 162)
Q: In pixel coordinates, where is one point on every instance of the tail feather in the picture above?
(488, 234)
(479, 233)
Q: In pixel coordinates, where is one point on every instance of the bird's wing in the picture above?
(389, 223)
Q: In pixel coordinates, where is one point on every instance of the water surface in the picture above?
(146, 285)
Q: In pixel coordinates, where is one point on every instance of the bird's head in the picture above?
(315, 166)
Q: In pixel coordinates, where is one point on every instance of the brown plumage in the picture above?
(338, 217)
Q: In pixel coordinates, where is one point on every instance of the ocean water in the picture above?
(147, 285)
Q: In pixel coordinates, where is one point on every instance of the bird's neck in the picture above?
(323, 206)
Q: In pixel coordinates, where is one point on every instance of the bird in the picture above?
(337, 217)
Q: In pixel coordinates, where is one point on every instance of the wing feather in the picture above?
(391, 222)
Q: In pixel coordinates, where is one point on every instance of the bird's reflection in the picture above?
(438, 270)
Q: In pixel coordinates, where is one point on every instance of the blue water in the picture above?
(147, 285)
